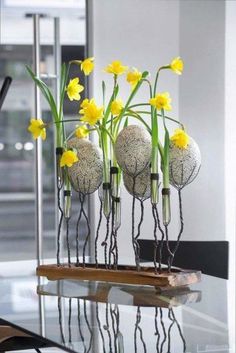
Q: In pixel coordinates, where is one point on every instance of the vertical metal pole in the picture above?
(38, 146)
(89, 91)
(57, 69)
(38, 169)
(57, 58)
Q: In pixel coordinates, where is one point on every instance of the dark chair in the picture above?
(4, 89)
(12, 339)
(211, 257)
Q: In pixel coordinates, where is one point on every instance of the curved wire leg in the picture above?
(77, 236)
(69, 322)
(59, 188)
(88, 228)
(68, 241)
(60, 320)
(107, 328)
(155, 237)
(79, 325)
(157, 333)
(100, 328)
(104, 243)
(97, 234)
(161, 242)
(138, 328)
(181, 227)
(137, 246)
(163, 329)
(89, 327)
(168, 248)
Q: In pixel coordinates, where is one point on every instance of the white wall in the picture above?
(139, 36)
(148, 36)
(201, 95)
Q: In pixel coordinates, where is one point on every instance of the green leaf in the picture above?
(126, 122)
(166, 147)
(108, 110)
(63, 81)
(46, 92)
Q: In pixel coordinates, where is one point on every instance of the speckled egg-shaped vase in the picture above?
(139, 186)
(184, 163)
(133, 149)
(86, 174)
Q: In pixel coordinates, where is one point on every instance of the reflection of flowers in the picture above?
(87, 66)
(81, 131)
(90, 111)
(73, 89)
(161, 101)
(133, 77)
(177, 65)
(68, 158)
(37, 128)
(116, 107)
(116, 68)
(180, 138)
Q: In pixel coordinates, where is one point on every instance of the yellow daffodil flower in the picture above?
(117, 106)
(161, 101)
(133, 77)
(116, 68)
(90, 111)
(68, 158)
(37, 128)
(177, 65)
(87, 66)
(180, 138)
(85, 103)
(73, 89)
(81, 131)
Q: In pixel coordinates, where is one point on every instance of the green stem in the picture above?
(166, 117)
(157, 76)
(67, 199)
(105, 150)
(139, 105)
(166, 154)
(67, 121)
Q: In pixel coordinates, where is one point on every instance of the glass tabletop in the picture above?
(98, 317)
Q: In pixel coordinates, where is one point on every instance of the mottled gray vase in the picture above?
(184, 163)
(139, 186)
(86, 174)
(133, 149)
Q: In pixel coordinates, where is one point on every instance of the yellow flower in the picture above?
(73, 89)
(177, 65)
(68, 158)
(161, 101)
(116, 107)
(87, 66)
(180, 138)
(133, 77)
(90, 111)
(116, 68)
(37, 128)
(81, 131)
(85, 103)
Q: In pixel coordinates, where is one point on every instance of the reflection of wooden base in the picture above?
(124, 274)
(125, 294)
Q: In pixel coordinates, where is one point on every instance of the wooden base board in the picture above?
(123, 274)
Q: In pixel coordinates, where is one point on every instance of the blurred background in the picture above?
(17, 218)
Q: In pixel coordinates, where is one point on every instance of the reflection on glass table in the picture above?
(95, 317)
